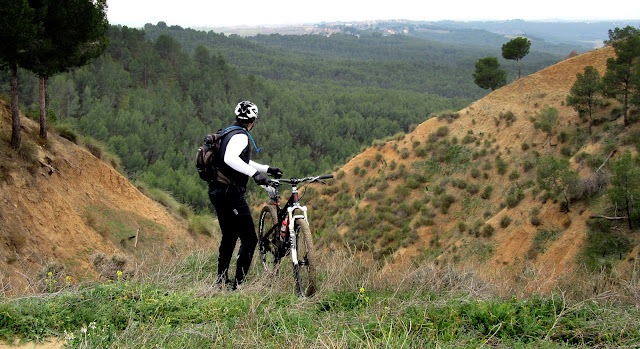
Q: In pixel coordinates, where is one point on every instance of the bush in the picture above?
(488, 230)
(486, 193)
(528, 165)
(67, 131)
(505, 221)
(473, 189)
(442, 131)
(535, 221)
(514, 198)
(501, 165)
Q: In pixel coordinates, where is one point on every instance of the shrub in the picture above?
(378, 157)
(28, 152)
(505, 221)
(367, 163)
(514, 198)
(462, 226)
(486, 193)
(404, 153)
(468, 139)
(412, 183)
(473, 189)
(535, 221)
(501, 165)
(509, 116)
(374, 196)
(67, 131)
(514, 175)
(527, 165)
(566, 151)
(442, 131)
(475, 173)
(488, 230)
(421, 152)
(449, 116)
(524, 146)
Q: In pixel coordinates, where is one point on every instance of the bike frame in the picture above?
(289, 211)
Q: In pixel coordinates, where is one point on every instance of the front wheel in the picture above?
(304, 271)
(269, 254)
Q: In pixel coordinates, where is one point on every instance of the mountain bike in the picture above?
(284, 230)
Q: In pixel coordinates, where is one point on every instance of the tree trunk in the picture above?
(43, 109)
(626, 93)
(46, 95)
(15, 111)
(629, 215)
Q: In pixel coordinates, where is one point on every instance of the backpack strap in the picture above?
(232, 128)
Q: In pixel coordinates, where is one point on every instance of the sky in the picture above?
(229, 13)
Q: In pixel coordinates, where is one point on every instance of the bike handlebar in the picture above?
(295, 181)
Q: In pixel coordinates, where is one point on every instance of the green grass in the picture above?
(177, 307)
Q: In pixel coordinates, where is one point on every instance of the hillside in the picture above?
(419, 196)
(424, 195)
(82, 209)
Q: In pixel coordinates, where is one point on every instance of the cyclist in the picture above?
(227, 194)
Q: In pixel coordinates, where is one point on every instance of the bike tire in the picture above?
(267, 250)
(305, 271)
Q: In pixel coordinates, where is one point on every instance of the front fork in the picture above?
(292, 231)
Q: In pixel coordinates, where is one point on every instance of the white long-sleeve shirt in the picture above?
(237, 143)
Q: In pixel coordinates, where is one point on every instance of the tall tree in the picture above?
(516, 49)
(488, 73)
(73, 33)
(625, 185)
(620, 71)
(18, 29)
(584, 94)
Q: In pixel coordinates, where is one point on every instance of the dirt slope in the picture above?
(511, 247)
(84, 207)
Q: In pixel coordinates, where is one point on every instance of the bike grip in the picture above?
(325, 176)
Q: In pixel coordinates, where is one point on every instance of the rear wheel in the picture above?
(269, 255)
(305, 271)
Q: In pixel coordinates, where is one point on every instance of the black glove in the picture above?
(260, 178)
(275, 172)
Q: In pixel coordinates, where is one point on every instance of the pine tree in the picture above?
(584, 94)
(516, 49)
(18, 29)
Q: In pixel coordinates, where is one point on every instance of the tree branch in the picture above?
(609, 218)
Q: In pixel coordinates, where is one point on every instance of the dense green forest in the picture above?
(156, 92)
(397, 62)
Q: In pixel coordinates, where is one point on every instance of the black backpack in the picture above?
(207, 157)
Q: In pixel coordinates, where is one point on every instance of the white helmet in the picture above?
(246, 111)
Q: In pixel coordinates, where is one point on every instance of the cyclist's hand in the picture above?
(276, 172)
(260, 178)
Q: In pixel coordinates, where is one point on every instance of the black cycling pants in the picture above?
(236, 223)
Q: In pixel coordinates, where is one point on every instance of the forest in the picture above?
(156, 92)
